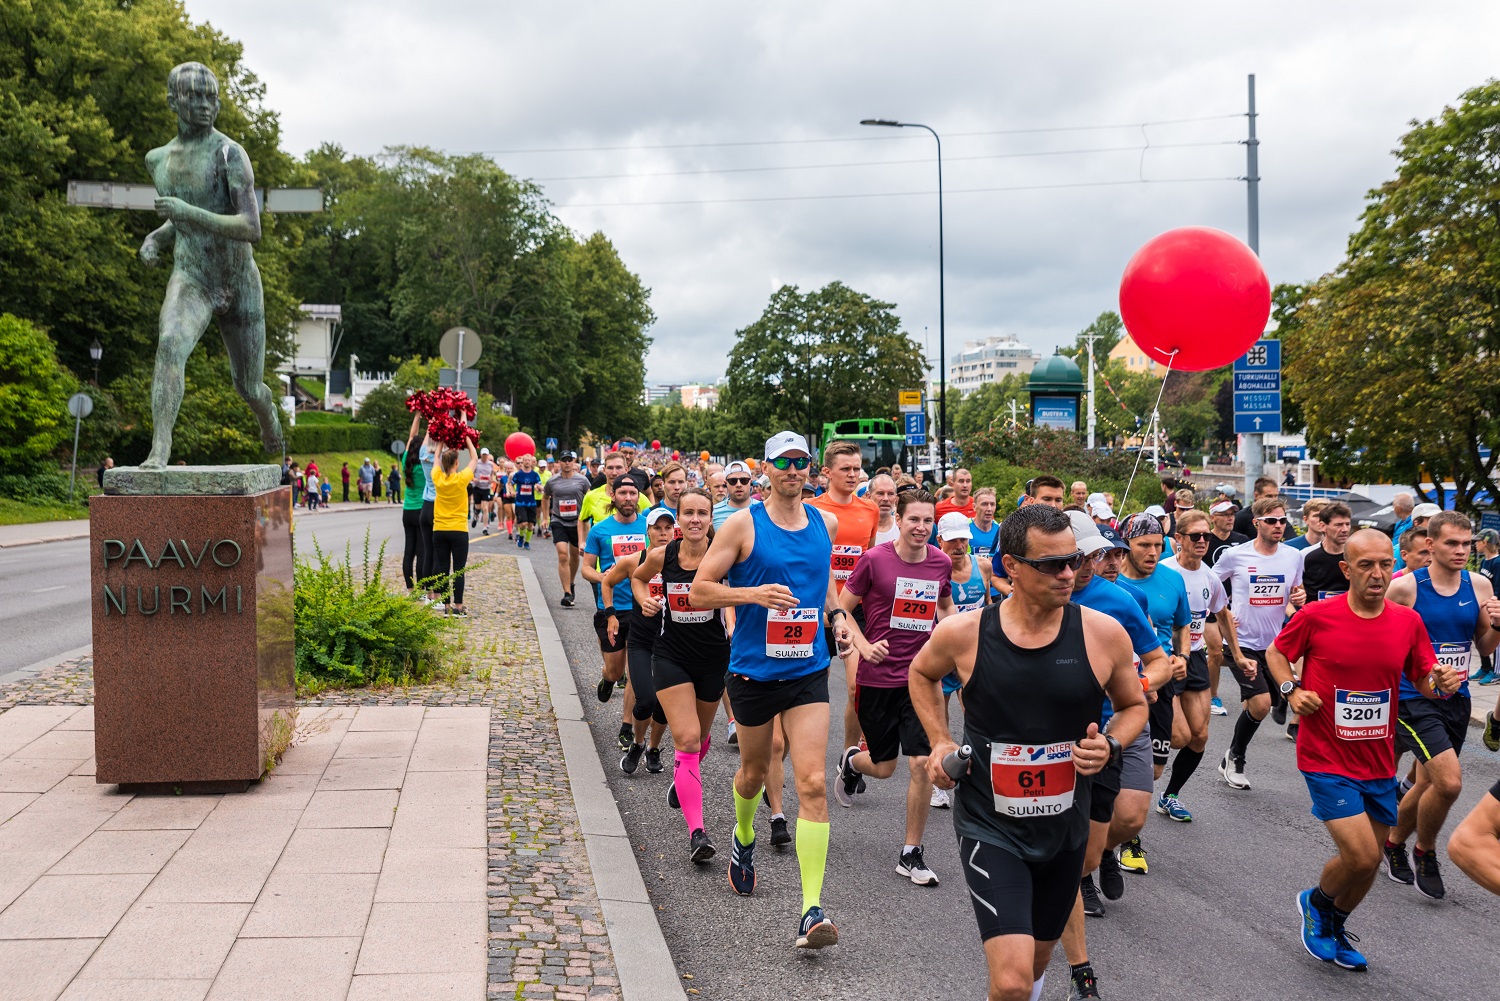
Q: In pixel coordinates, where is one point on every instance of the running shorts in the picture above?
(889, 723)
(479, 491)
(565, 534)
(756, 703)
(951, 683)
(1133, 772)
(601, 629)
(1260, 684)
(525, 515)
(1197, 676)
(1428, 727)
(1014, 897)
(1335, 797)
(707, 679)
(1161, 714)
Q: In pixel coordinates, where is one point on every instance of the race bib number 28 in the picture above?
(1032, 780)
(790, 632)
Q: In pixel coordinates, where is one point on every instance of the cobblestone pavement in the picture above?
(547, 940)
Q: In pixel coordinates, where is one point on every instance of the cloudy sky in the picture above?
(718, 145)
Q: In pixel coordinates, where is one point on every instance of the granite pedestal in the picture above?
(191, 581)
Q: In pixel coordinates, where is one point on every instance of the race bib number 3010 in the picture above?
(1362, 715)
(1455, 656)
(1032, 780)
(790, 633)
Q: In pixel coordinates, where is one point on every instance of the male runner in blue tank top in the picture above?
(776, 557)
(1458, 609)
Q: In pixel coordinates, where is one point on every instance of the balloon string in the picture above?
(1153, 427)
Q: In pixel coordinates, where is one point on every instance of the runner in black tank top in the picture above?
(1035, 671)
(692, 654)
(640, 644)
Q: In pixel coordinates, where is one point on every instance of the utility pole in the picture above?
(1091, 338)
(1255, 449)
(1013, 408)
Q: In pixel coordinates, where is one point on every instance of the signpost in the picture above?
(916, 427)
(551, 445)
(460, 348)
(1257, 389)
(80, 405)
(909, 401)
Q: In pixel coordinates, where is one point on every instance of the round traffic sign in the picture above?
(459, 347)
(398, 447)
(80, 405)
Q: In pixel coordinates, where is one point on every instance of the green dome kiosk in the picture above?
(1056, 389)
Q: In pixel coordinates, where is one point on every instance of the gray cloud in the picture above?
(1338, 83)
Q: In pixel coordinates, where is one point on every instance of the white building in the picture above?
(360, 383)
(700, 395)
(990, 360)
(315, 342)
(658, 393)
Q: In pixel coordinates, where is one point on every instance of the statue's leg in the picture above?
(243, 326)
(185, 312)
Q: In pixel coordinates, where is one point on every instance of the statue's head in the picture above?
(193, 92)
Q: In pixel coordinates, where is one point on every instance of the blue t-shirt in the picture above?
(1125, 607)
(429, 489)
(722, 511)
(609, 540)
(1166, 601)
(526, 486)
(1300, 542)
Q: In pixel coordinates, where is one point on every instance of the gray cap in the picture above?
(1086, 533)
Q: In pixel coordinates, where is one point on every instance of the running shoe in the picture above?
(1396, 865)
(439, 607)
(848, 778)
(1133, 856)
(1278, 714)
(484, 531)
(1491, 732)
(913, 865)
(780, 836)
(1169, 806)
(1346, 955)
(734, 737)
(1487, 678)
(462, 613)
(1291, 731)
(632, 759)
(653, 760)
(672, 799)
(626, 736)
(1217, 707)
(1092, 905)
(1317, 929)
(701, 849)
(940, 799)
(816, 931)
(1429, 880)
(1111, 882)
(859, 786)
(527, 546)
(741, 866)
(605, 690)
(567, 599)
(1084, 984)
(1233, 773)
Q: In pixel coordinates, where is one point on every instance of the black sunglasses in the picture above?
(1195, 536)
(783, 461)
(737, 481)
(1053, 565)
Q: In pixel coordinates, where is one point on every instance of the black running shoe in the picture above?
(672, 799)
(701, 849)
(1396, 865)
(1111, 880)
(741, 866)
(1092, 905)
(626, 737)
(1429, 880)
(632, 759)
(780, 836)
(605, 690)
(848, 778)
(816, 931)
(653, 760)
(1085, 985)
(1278, 714)
(567, 599)
(859, 786)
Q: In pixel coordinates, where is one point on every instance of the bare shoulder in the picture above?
(830, 520)
(958, 631)
(1483, 588)
(1403, 590)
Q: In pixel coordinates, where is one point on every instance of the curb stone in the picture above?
(642, 960)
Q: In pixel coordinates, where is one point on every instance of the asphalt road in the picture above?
(1215, 919)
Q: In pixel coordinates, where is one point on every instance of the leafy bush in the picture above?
(34, 390)
(1061, 453)
(43, 486)
(353, 630)
(1010, 482)
(347, 437)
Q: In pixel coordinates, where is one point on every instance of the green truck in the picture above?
(881, 442)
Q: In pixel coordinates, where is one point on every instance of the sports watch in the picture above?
(1288, 687)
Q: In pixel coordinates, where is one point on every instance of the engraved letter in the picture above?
(109, 596)
(226, 542)
(118, 555)
(170, 548)
(206, 600)
(186, 601)
(155, 599)
(136, 547)
(201, 553)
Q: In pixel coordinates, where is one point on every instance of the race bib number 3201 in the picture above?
(1267, 589)
(1362, 715)
(790, 633)
(915, 605)
(1032, 780)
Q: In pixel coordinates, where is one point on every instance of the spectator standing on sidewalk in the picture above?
(393, 484)
(314, 492)
(344, 475)
(450, 525)
(366, 481)
(108, 464)
(297, 484)
(414, 551)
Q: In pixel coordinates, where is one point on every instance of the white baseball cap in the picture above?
(1086, 533)
(1156, 511)
(1221, 507)
(1099, 509)
(484, 451)
(954, 525)
(1096, 498)
(1425, 510)
(657, 514)
(784, 442)
(737, 467)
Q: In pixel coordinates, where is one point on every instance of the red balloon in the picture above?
(676, 455)
(655, 444)
(1198, 291)
(519, 443)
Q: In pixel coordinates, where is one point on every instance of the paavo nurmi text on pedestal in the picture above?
(223, 553)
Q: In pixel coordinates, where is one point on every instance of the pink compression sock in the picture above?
(703, 748)
(689, 789)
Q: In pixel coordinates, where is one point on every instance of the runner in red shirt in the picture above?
(1355, 650)
(962, 500)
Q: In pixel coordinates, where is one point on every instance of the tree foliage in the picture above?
(34, 391)
(1110, 329)
(1394, 357)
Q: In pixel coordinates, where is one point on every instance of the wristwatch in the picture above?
(1115, 750)
(1288, 687)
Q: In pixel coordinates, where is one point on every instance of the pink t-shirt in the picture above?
(900, 601)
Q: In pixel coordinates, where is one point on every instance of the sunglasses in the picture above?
(737, 481)
(1195, 536)
(1273, 521)
(1053, 565)
(785, 461)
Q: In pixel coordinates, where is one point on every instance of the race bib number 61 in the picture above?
(1032, 780)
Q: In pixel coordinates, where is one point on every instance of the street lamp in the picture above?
(942, 340)
(96, 351)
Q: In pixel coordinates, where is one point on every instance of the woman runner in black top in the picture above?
(640, 643)
(1035, 670)
(692, 654)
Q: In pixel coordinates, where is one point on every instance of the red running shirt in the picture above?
(1354, 666)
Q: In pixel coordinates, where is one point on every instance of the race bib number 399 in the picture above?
(915, 606)
(1267, 589)
(844, 558)
(1362, 715)
(790, 633)
(1032, 780)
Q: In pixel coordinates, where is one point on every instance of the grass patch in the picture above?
(14, 512)
(321, 417)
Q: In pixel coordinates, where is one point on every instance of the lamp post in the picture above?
(942, 340)
(96, 352)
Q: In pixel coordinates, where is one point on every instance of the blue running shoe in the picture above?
(1168, 806)
(1317, 929)
(742, 866)
(1485, 678)
(816, 931)
(1346, 955)
(1217, 707)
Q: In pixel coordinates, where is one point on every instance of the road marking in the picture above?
(44, 590)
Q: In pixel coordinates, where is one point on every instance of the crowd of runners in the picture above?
(1081, 651)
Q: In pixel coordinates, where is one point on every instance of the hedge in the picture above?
(334, 438)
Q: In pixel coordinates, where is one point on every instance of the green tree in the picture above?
(34, 391)
(1109, 327)
(989, 404)
(820, 356)
(1394, 358)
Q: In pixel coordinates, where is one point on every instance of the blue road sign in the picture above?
(916, 428)
(1257, 403)
(1264, 356)
(551, 444)
(1261, 381)
(1269, 423)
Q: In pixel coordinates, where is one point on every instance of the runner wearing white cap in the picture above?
(971, 580)
(481, 490)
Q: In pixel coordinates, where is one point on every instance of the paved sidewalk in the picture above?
(43, 531)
